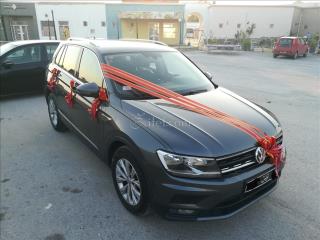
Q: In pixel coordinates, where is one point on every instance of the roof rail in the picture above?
(77, 39)
(82, 39)
(143, 40)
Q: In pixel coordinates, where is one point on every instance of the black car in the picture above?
(23, 66)
(183, 164)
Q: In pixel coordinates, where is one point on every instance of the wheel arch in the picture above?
(119, 141)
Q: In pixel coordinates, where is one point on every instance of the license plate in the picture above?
(258, 181)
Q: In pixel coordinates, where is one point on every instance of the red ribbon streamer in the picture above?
(103, 97)
(69, 96)
(53, 79)
(275, 151)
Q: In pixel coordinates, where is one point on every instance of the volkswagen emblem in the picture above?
(260, 155)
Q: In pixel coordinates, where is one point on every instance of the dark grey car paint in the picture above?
(130, 122)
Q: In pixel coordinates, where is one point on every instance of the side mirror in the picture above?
(88, 90)
(208, 75)
(7, 64)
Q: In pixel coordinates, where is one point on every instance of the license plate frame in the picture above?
(259, 181)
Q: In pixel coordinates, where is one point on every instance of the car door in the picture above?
(67, 61)
(91, 129)
(21, 70)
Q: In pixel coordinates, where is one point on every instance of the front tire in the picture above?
(129, 181)
(275, 55)
(54, 116)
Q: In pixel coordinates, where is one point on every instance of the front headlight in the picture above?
(187, 166)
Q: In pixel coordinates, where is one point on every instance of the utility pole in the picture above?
(299, 24)
(54, 25)
(48, 21)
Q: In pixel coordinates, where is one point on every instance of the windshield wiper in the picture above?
(194, 92)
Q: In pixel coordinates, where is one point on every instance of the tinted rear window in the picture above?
(71, 59)
(285, 42)
(59, 55)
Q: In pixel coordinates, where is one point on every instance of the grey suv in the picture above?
(183, 164)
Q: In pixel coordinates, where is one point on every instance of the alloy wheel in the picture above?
(53, 112)
(128, 182)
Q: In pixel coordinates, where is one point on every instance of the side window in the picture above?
(57, 59)
(62, 56)
(71, 58)
(50, 48)
(28, 54)
(90, 70)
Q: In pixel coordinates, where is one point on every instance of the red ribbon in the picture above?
(69, 96)
(53, 79)
(275, 151)
(103, 97)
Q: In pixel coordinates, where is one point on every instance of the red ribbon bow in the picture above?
(69, 96)
(103, 97)
(53, 79)
(275, 151)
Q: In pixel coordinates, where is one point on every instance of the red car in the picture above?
(290, 46)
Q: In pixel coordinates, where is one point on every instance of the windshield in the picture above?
(6, 48)
(171, 70)
(285, 42)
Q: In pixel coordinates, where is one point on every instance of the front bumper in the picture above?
(200, 199)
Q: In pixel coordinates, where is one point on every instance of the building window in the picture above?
(20, 32)
(305, 26)
(271, 25)
(220, 25)
(85, 23)
(47, 28)
(238, 25)
(103, 24)
(169, 30)
(64, 30)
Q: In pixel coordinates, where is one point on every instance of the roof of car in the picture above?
(26, 42)
(118, 46)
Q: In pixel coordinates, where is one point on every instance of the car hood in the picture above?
(189, 133)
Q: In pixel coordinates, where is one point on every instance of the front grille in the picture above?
(237, 162)
(240, 162)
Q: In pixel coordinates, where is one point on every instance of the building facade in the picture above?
(156, 21)
(64, 20)
(174, 22)
(213, 21)
(18, 21)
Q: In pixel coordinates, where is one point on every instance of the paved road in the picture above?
(54, 188)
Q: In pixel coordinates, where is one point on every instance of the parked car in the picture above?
(23, 66)
(186, 165)
(290, 46)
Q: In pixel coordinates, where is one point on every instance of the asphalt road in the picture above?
(54, 188)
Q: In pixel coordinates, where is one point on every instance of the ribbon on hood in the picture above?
(268, 143)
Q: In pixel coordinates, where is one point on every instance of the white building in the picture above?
(224, 21)
(269, 21)
(71, 20)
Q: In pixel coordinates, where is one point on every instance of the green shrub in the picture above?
(246, 44)
(212, 41)
(313, 43)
